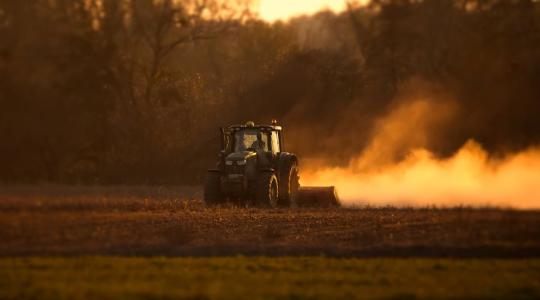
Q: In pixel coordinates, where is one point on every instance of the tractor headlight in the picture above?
(229, 163)
(241, 162)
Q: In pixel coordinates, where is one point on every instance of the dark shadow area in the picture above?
(132, 92)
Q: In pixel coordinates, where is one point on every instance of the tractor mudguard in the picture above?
(284, 160)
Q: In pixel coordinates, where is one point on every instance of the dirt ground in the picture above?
(57, 220)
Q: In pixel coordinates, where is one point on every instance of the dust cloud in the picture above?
(396, 168)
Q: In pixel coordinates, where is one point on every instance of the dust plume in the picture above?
(396, 168)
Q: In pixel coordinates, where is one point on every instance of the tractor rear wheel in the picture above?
(289, 184)
(266, 191)
(212, 189)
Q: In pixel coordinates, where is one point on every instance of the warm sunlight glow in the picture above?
(469, 177)
(274, 10)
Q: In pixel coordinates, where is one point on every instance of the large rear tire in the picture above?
(212, 189)
(289, 185)
(267, 191)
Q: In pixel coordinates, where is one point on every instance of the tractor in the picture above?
(254, 169)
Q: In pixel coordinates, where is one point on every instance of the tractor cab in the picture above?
(240, 138)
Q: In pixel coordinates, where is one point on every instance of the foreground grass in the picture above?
(267, 278)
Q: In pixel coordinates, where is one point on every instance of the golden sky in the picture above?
(273, 10)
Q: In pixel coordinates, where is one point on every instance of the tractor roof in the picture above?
(251, 125)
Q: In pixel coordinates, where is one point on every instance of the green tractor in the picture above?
(253, 168)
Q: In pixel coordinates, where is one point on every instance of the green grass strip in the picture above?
(267, 278)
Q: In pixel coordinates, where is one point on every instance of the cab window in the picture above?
(246, 140)
(275, 142)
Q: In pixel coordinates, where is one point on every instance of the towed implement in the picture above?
(253, 168)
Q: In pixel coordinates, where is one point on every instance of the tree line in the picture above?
(133, 91)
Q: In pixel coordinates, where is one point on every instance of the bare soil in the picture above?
(142, 221)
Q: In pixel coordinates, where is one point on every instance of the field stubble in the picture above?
(145, 221)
